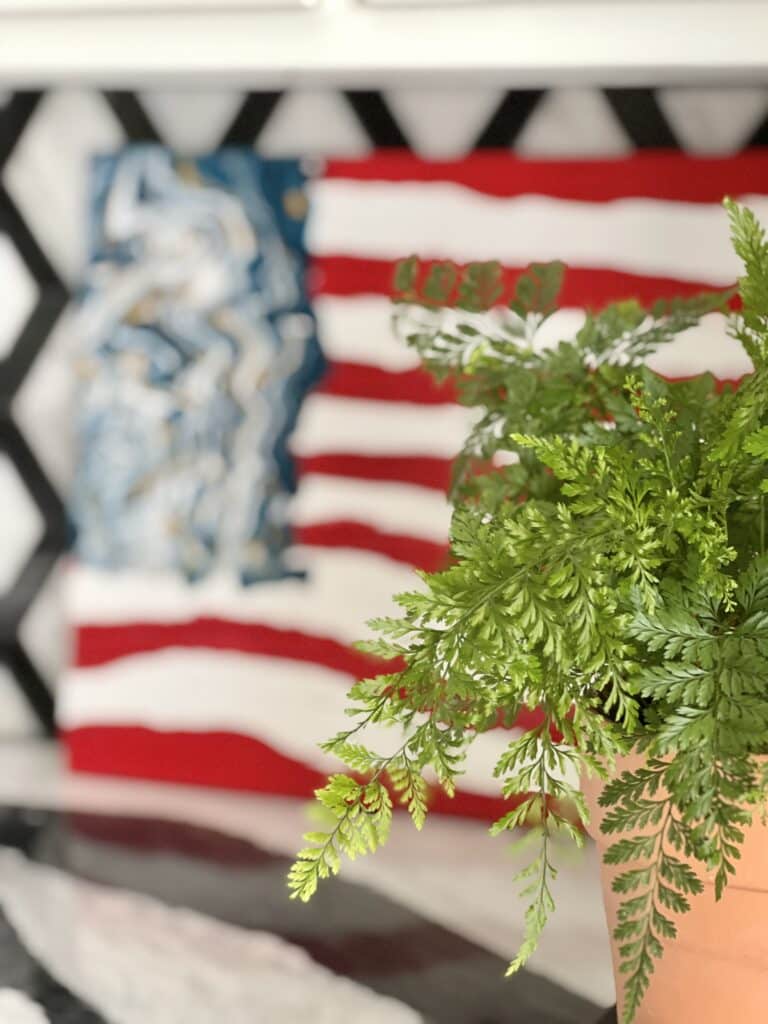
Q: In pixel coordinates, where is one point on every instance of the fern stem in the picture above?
(368, 718)
(633, 994)
(487, 596)
(668, 461)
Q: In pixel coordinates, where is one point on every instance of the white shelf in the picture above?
(147, 7)
(528, 42)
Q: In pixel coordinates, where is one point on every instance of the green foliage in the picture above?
(362, 812)
(536, 291)
(611, 572)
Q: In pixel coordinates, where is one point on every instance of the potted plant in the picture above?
(612, 573)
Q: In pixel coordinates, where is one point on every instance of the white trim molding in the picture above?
(520, 43)
(146, 7)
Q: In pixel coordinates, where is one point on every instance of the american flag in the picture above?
(218, 685)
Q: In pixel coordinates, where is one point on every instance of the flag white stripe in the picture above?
(361, 426)
(289, 705)
(705, 348)
(357, 330)
(344, 588)
(388, 220)
(407, 509)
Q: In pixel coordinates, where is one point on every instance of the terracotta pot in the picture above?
(716, 971)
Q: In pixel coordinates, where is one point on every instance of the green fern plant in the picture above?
(613, 573)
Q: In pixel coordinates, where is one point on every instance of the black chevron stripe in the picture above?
(642, 118)
(374, 114)
(133, 118)
(251, 118)
(760, 135)
(16, 602)
(509, 118)
(14, 117)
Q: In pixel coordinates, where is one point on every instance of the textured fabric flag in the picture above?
(218, 684)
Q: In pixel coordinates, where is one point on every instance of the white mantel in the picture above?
(523, 42)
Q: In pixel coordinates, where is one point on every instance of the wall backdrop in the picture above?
(46, 141)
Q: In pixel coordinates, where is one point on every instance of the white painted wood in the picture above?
(529, 42)
(145, 6)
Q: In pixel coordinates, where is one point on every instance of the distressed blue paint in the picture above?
(198, 346)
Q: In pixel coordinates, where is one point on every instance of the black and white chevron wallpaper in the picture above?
(46, 138)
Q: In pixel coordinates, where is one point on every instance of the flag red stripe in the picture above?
(653, 175)
(100, 644)
(157, 836)
(352, 380)
(219, 759)
(583, 287)
(222, 760)
(721, 383)
(361, 380)
(423, 470)
(423, 554)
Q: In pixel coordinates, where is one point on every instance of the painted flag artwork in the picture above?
(216, 683)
